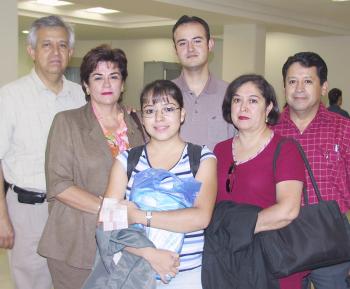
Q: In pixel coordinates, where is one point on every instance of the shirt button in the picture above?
(196, 102)
(196, 111)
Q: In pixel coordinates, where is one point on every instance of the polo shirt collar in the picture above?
(209, 88)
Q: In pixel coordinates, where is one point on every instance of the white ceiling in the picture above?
(154, 18)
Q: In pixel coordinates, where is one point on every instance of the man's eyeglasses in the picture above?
(229, 180)
(166, 110)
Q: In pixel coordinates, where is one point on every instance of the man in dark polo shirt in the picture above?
(203, 93)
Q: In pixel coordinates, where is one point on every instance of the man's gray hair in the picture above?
(49, 21)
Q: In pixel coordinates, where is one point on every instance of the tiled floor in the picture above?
(5, 279)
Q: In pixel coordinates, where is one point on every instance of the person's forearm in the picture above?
(182, 221)
(275, 217)
(163, 262)
(79, 199)
(141, 252)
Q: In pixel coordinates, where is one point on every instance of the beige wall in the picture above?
(243, 50)
(137, 51)
(334, 50)
(25, 63)
(9, 43)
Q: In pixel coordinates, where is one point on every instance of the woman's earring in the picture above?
(266, 119)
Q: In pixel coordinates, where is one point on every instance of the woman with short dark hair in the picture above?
(81, 148)
(245, 162)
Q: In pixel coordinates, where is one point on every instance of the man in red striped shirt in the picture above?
(325, 137)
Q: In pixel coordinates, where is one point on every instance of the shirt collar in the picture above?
(40, 84)
(209, 88)
(322, 114)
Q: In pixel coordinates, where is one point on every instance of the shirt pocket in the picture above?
(331, 155)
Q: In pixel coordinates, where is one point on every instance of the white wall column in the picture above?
(243, 50)
(9, 43)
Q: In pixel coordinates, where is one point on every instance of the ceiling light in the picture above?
(53, 2)
(101, 10)
(25, 31)
(340, 0)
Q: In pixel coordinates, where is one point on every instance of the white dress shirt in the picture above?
(27, 108)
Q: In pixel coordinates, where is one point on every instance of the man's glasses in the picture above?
(229, 180)
(166, 110)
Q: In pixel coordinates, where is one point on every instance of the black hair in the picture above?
(265, 88)
(160, 90)
(333, 95)
(307, 59)
(184, 19)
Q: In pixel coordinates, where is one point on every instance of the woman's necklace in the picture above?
(261, 148)
(117, 139)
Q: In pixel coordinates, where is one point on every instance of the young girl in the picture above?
(162, 115)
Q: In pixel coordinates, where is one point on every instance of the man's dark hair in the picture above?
(307, 59)
(334, 95)
(184, 19)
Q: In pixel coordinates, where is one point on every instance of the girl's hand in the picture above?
(164, 262)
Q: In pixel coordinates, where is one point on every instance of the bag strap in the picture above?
(133, 159)
(136, 119)
(135, 152)
(194, 155)
(307, 165)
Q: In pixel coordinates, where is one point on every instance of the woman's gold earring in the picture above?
(266, 119)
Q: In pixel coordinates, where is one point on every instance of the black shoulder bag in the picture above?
(318, 237)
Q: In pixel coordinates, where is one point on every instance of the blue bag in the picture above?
(160, 190)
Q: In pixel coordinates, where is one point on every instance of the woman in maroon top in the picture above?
(245, 171)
